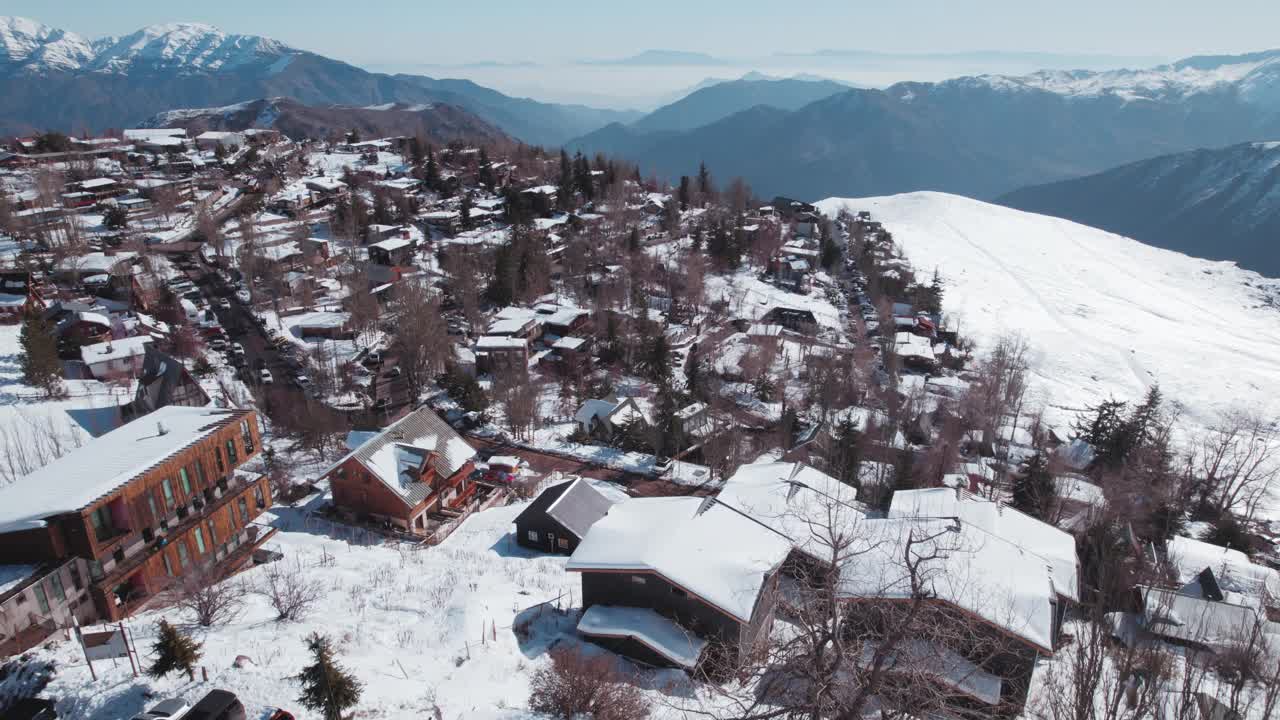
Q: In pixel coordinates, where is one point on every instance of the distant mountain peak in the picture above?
(33, 45)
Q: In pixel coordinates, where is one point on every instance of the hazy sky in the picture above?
(394, 32)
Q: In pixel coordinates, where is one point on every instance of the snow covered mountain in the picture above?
(980, 136)
(437, 122)
(183, 47)
(1220, 204)
(30, 46)
(53, 79)
(1255, 76)
(1105, 315)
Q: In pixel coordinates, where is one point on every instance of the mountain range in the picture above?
(437, 122)
(1220, 204)
(55, 79)
(980, 136)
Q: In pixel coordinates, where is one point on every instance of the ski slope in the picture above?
(1106, 316)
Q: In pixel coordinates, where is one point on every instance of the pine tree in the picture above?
(704, 179)
(655, 363)
(464, 211)
(433, 170)
(173, 651)
(684, 192)
(1033, 490)
(564, 187)
(847, 452)
(486, 170)
(40, 365)
(326, 687)
(633, 240)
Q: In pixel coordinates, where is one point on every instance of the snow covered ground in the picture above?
(1105, 315)
(419, 627)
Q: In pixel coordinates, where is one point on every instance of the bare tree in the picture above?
(422, 338)
(521, 400)
(291, 594)
(1236, 460)
(210, 598)
(578, 685)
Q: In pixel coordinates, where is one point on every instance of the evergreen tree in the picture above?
(39, 362)
(326, 686)
(173, 651)
(655, 363)
(1033, 490)
(564, 186)
(633, 240)
(830, 251)
(582, 177)
(486, 170)
(846, 456)
(704, 180)
(684, 193)
(433, 170)
(464, 211)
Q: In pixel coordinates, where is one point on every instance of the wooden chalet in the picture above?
(135, 510)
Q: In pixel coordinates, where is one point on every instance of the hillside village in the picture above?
(527, 434)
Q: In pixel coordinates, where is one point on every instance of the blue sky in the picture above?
(393, 32)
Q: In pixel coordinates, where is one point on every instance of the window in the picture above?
(75, 577)
(638, 579)
(168, 566)
(247, 434)
(168, 493)
(183, 557)
(199, 541)
(42, 599)
(231, 452)
(55, 580)
(533, 535)
(204, 482)
(101, 519)
(217, 456)
(257, 496)
(244, 511)
(151, 504)
(213, 533)
(564, 543)
(185, 480)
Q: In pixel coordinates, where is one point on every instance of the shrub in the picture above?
(577, 685)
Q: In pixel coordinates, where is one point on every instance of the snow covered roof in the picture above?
(499, 342)
(1184, 617)
(97, 183)
(153, 133)
(396, 455)
(1056, 547)
(115, 350)
(804, 504)
(568, 343)
(668, 536)
(594, 408)
(646, 627)
(1005, 585)
(106, 463)
(392, 244)
(1233, 570)
(579, 506)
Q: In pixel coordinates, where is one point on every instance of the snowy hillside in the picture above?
(1105, 315)
(191, 47)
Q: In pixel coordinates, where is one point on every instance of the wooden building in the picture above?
(558, 519)
(411, 475)
(143, 505)
(669, 555)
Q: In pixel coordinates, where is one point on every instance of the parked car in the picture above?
(237, 348)
(301, 380)
(218, 344)
(373, 358)
(224, 304)
(170, 709)
(395, 371)
(264, 375)
(244, 297)
(217, 705)
(31, 709)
